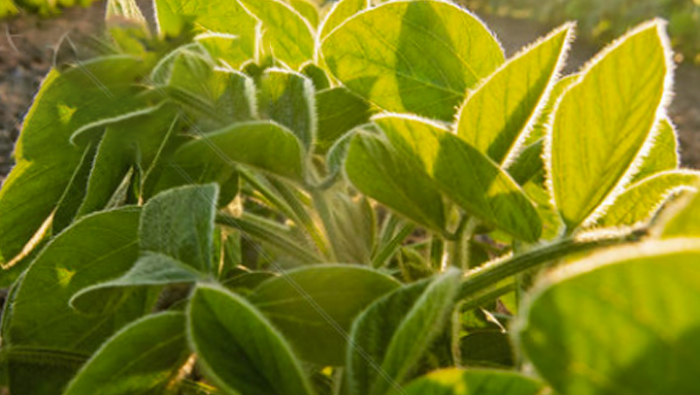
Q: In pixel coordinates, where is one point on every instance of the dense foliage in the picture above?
(602, 20)
(264, 197)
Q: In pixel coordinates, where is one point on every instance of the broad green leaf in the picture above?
(314, 306)
(618, 322)
(642, 199)
(224, 47)
(45, 158)
(603, 121)
(175, 17)
(663, 154)
(306, 9)
(339, 111)
(342, 10)
(287, 36)
(517, 92)
(41, 333)
(380, 172)
(412, 56)
(288, 99)
(144, 357)
(238, 348)
(152, 269)
(473, 382)
(390, 337)
(464, 174)
(487, 349)
(261, 145)
(188, 238)
(354, 227)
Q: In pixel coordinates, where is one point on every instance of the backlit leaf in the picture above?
(663, 155)
(412, 56)
(473, 382)
(603, 121)
(502, 110)
(648, 342)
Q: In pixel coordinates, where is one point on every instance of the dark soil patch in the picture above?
(27, 46)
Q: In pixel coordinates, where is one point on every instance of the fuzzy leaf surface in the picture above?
(603, 121)
(494, 117)
(473, 382)
(412, 56)
(238, 348)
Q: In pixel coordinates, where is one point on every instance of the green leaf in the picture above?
(528, 164)
(314, 306)
(224, 47)
(464, 174)
(412, 56)
(287, 36)
(262, 145)
(681, 219)
(644, 198)
(339, 111)
(307, 10)
(74, 194)
(390, 337)
(473, 382)
(342, 10)
(378, 171)
(517, 92)
(238, 348)
(152, 269)
(41, 333)
(317, 75)
(615, 105)
(541, 126)
(663, 154)
(180, 223)
(143, 357)
(288, 98)
(45, 158)
(618, 322)
(175, 17)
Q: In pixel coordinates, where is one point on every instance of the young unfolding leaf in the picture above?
(464, 174)
(186, 238)
(40, 330)
(45, 158)
(314, 306)
(663, 154)
(648, 343)
(238, 348)
(288, 99)
(641, 200)
(603, 121)
(339, 111)
(502, 110)
(681, 219)
(412, 56)
(473, 382)
(287, 36)
(389, 338)
(342, 10)
(143, 357)
(152, 269)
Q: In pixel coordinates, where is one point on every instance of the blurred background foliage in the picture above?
(602, 20)
(44, 7)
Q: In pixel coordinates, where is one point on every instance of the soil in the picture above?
(27, 46)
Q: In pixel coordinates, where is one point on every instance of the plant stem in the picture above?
(492, 273)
